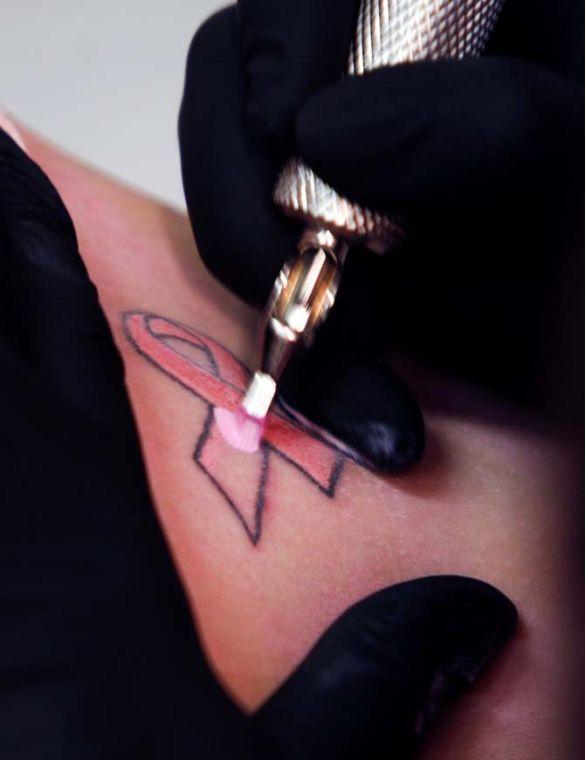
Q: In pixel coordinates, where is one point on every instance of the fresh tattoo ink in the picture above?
(216, 377)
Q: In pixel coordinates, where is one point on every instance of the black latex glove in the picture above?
(483, 158)
(97, 651)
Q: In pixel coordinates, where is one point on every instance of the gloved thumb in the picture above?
(343, 382)
(375, 682)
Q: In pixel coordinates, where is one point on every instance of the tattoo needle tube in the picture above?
(388, 32)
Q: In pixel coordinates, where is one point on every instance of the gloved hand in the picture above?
(483, 159)
(97, 652)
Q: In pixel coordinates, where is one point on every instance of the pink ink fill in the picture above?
(239, 429)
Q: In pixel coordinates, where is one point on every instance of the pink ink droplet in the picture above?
(239, 429)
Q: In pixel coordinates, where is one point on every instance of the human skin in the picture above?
(492, 499)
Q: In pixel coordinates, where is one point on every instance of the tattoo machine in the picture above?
(388, 32)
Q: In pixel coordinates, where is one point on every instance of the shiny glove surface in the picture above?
(97, 650)
(482, 158)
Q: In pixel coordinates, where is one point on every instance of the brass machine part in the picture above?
(388, 32)
(301, 298)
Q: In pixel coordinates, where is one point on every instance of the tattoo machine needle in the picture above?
(388, 32)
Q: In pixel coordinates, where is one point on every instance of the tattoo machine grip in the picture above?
(388, 32)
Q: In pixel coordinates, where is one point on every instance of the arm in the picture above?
(490, 500)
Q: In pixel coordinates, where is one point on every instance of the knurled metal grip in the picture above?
(388, 32)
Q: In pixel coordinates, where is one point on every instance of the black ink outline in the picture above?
(254, 533)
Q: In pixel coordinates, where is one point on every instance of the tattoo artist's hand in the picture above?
(481, 158)
(97, 651)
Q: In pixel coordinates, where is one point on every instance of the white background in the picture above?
(103, 79)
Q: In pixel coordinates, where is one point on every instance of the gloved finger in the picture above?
(228, 178)
(448, 136)
(49, 310)
(343, 384)
(388, 666)
(290, 49)
(541, 32)
(363, 403)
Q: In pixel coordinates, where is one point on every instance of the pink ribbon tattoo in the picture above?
(213, 374)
